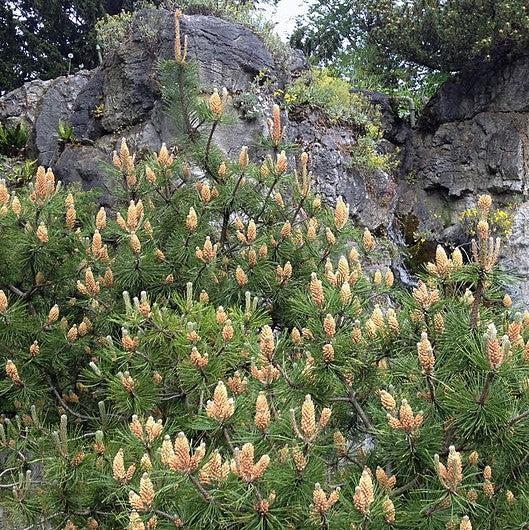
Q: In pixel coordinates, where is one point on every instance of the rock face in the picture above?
(371, 195)
(122, 98)
(42, 105)
(473, 136)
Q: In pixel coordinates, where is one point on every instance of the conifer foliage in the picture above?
(220, 350)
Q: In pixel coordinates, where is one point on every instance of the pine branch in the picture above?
(227, 212)
(228, 438)
(64, 405)
(518, 418)
(42, 521)
(265, 202)
(201, 489)
(474, 313)
(431, 389)
(360, 411)
(351, 397)
(486, 388)
(208, 145)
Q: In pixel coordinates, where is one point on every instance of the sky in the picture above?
(285, 14)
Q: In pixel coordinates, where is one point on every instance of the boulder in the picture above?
(42, 105)
(515, 257)
(228, 54)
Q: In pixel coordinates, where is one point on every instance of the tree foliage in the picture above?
(396, 37)
(221, 350)
(37, 36)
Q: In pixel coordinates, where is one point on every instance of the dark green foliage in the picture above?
(65, 132)
(405, 44)
(13, 138)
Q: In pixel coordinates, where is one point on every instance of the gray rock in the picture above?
(473, 138)
(371, 195)
(229, 55)
(23, 102)
(42, 105)
(501, 87)
(55, 106)
(85, 165)
(122, 98)
(87, 107)
(473, 135)
(515, 258)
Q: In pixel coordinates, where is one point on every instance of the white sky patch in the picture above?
(285, 14)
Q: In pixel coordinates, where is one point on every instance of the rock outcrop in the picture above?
(473, 136)
(122, 99)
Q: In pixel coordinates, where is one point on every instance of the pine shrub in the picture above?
(220, 350)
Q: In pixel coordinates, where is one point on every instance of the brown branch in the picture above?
(208, 145)
(518, 418)
(406, 487)
(201, 489)
(63, 404)
(18, 292)
(227, 212)
(478, 295)
(360, 411)
(486, 389)
(276, 179)
(431, 389)
(228, 439)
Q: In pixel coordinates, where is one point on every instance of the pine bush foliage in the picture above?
(219, 350)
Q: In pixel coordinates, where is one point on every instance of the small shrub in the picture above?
(65, 132)
(500, 219)
(98, 111)
(247, 104)
(13, 138)
(18, 172)
(366, 155)
(332, 95)
(339, 103)
(113, 30)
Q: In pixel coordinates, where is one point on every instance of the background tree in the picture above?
(395, 41)
(37, 36)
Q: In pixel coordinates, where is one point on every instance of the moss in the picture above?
(420, 247)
